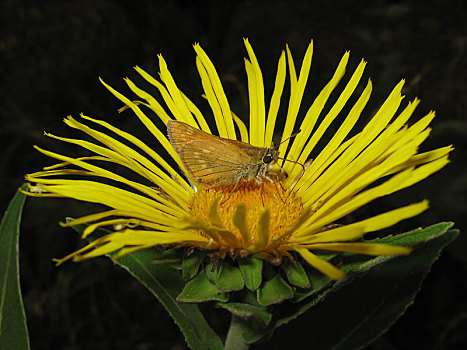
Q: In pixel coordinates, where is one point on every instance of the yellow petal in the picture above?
(296, 94)
(363, 248)
(216, 96)
(320, 264)
(257, 120)
(275, 100)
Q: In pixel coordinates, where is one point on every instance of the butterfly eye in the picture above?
(267, 159)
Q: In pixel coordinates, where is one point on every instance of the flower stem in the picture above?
(235, 340)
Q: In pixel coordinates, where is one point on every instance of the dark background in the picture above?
(53, 52)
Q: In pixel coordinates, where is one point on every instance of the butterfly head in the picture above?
(270, 156)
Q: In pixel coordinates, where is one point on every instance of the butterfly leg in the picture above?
(278, 192)
(261, 193)
(284, 176)
(230, 194)
(275, 178)
(299, 176)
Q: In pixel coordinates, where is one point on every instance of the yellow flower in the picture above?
(295, 212)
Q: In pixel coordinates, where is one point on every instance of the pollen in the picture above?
(283, 206)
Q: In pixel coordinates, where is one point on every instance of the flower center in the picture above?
(283, 204)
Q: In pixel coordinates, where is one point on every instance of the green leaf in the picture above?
(416, 236)
(261, 313)
(200, 289)
(354, 262)
(253, 330)
(230, 278)
(365, 304)
(170, 257)
(245, 331)
(252, 270)
(166, 284)
(296, 274)
(358, 262)
(274, 291)
(191, 264)
(13, 328)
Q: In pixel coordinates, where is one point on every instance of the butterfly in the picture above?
(214, 161)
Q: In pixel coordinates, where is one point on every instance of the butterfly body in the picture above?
(215, 161)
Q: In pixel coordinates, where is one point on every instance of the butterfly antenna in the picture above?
(288, 160)
(290, 137)
(293, 161)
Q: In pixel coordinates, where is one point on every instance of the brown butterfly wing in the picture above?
(214, 163)
(212, 160)
(254, 152)
(180, 133)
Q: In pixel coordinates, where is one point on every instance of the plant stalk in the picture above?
(235, 340)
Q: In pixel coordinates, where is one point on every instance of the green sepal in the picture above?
(190, 264)
(170, 257)
(261, 313)
(296, 274)
(229, 278)
(252, 269)
(199, 289)
(274, 291)
(269, 271)
(318, 283)
(212, 270)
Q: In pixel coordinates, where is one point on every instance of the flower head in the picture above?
(235, 207)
